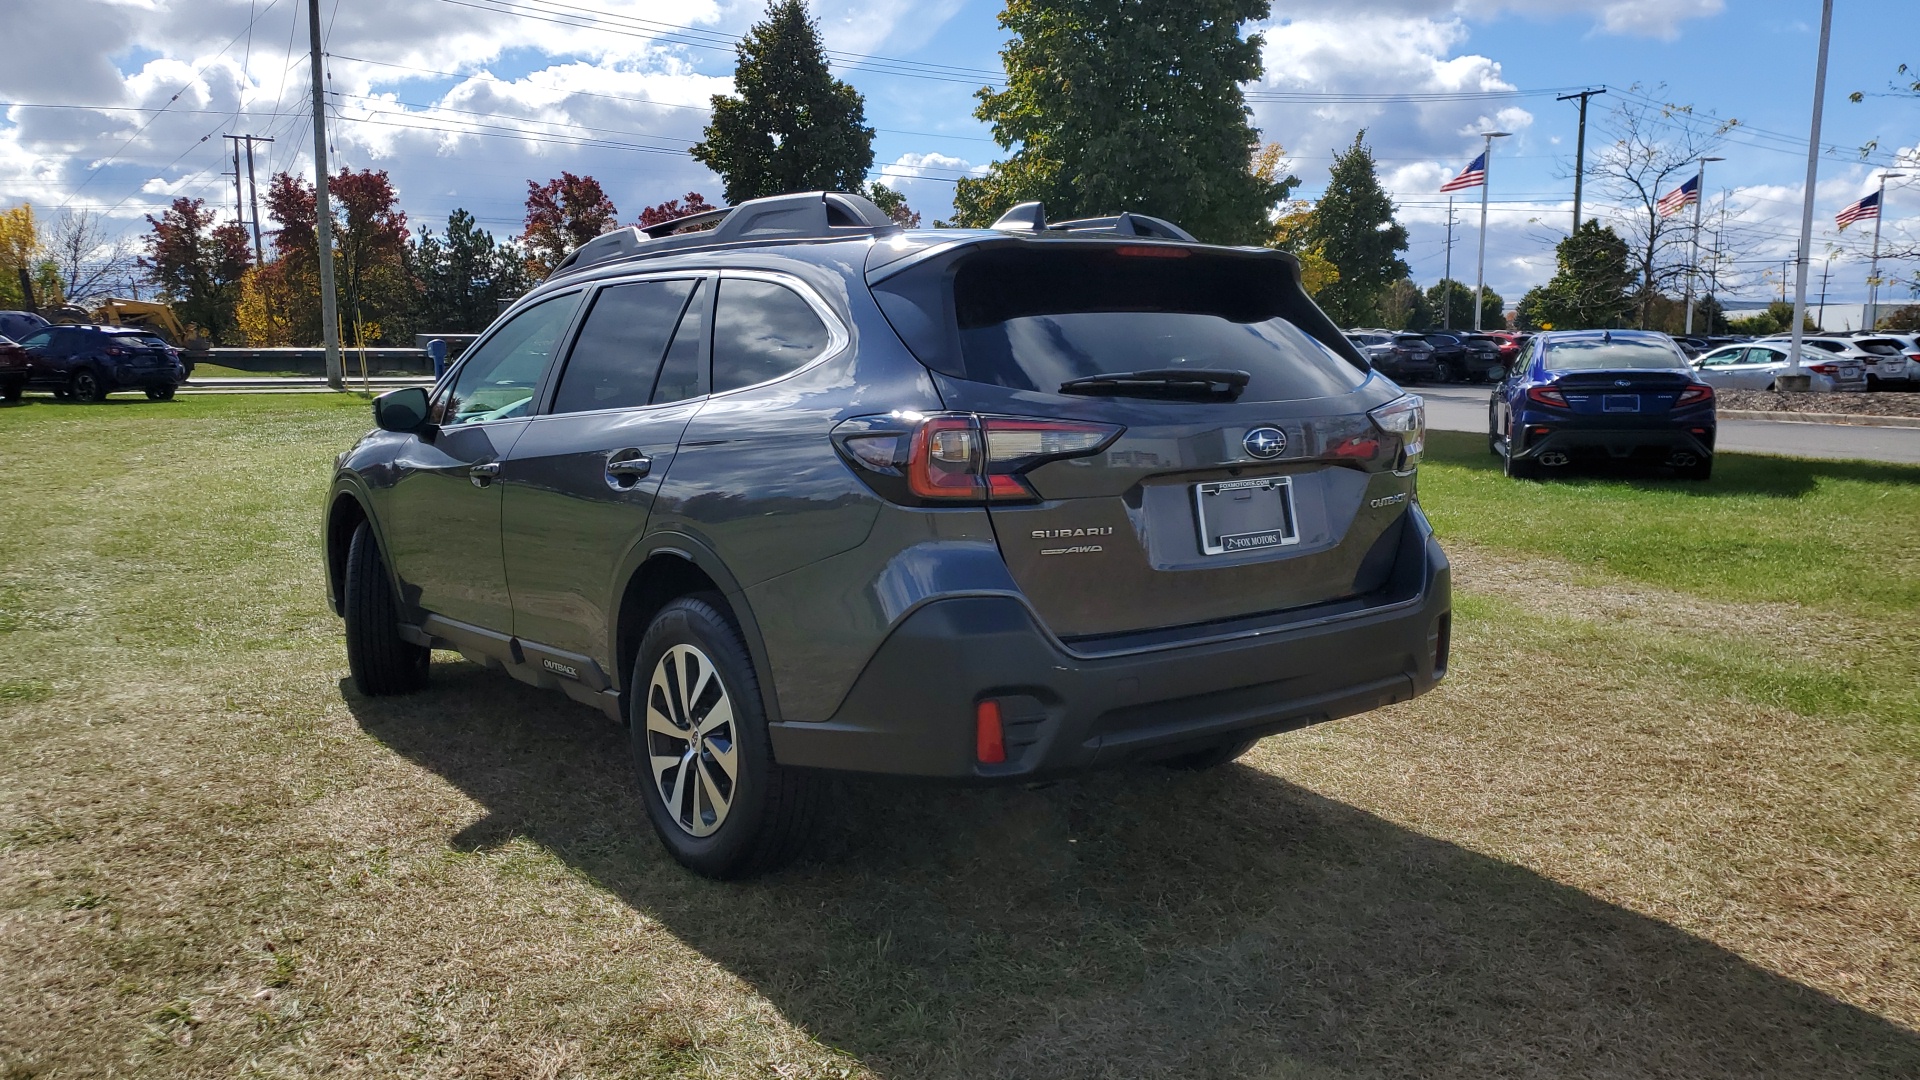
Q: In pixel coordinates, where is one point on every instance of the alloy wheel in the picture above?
(690, 740)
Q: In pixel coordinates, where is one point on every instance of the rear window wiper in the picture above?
(1194, 384)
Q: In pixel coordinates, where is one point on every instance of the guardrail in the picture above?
(384, 360)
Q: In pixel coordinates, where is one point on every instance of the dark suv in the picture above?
(805, 491)
(89, 362)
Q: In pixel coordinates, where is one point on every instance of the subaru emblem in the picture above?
(1265, 442)
(1623, 383)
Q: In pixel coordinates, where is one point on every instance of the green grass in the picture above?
(1843, 535)
(1644, 828)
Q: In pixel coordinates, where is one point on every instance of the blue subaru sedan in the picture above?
(1602, 397)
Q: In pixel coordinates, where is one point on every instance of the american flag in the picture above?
(1473, 175)
(1868, 207)
(1680, 198)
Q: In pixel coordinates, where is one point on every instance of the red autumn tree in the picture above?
(694, 203)
(562, 214)
(371, 278)
(197, 265)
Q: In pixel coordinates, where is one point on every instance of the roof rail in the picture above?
(812, 215)
(1032, 217)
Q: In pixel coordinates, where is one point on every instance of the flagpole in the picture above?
(1693, 267)
(1873, 271)
(1486, 174)
(1795, 378)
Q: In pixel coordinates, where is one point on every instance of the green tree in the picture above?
(1591, 289)
(1404, 307)
(793, 126)
(1128, 105)
(893, 204)
(1353, 227)
(464, 273)
(1451, 305)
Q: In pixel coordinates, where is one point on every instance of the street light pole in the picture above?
(1486, 181)
(1793, 379)
(1693, 268)
(1446, 276)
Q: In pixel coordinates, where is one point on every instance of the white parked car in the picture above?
(1753, 366)
(1883, 360)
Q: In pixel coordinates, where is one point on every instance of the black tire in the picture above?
(1518, 468)
(12, 390)
(382, 662)
(769, 810)
(1703, 471)
(159, 393)
(1495, 443)
(87, 387)
(1212, 757)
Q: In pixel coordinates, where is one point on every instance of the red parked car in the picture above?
(13, 370)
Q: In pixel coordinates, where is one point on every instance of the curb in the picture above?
(1850, 419)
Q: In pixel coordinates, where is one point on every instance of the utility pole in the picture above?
(253, 191)
(239, 207)
(322, 211)
(1486, 181)
(1580, 150)
(1793, 379)
(1446, 320)
(1873, 269)
(1699, 200)
(1826, 272)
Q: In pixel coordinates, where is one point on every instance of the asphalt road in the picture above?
(1464, 408)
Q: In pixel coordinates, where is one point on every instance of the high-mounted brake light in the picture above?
(1697, 394)
(1154, 251)
(1548, 396)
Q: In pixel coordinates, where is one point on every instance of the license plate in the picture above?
(1620, 403)
(1245, 515)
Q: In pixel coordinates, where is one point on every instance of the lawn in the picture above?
(1662, 819)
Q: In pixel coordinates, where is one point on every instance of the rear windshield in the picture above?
(1033, 320)
(1594, 354)
(1878, 347)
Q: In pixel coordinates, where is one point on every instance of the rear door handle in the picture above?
(482, 475)
(623, 471)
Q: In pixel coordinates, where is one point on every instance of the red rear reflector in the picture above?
(1142, 251)
(989, 745)
(1539, 430)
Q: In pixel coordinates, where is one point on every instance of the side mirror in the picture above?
(403, 410)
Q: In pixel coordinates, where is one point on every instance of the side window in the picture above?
(761, 331)
(497, 380)
(617, 355)
(684, 374)
(36, 340)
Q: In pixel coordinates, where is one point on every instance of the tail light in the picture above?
(1823, 369)
(115, 350)
(1405, 416)
(1697, 394)
(955, 458)
(1546, 395)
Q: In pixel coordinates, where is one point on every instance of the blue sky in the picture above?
(527, 95)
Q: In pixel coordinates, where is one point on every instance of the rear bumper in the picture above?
(912, 710)
(1599, 437)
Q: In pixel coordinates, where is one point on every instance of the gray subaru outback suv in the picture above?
(785, 488)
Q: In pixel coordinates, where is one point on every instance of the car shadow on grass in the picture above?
(1142, 923)
(1733, 473)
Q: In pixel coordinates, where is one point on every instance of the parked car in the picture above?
(18, 324)
(1509, 343)
(1407, 359)
(1449, 355)
(1483, 363)
(89, 362)
(991, 505)
(1884, 363)
(1891, 365)
(1910, 345)
(1374, 346)
(13, 369)
(1603, 396)
(1754, 367)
